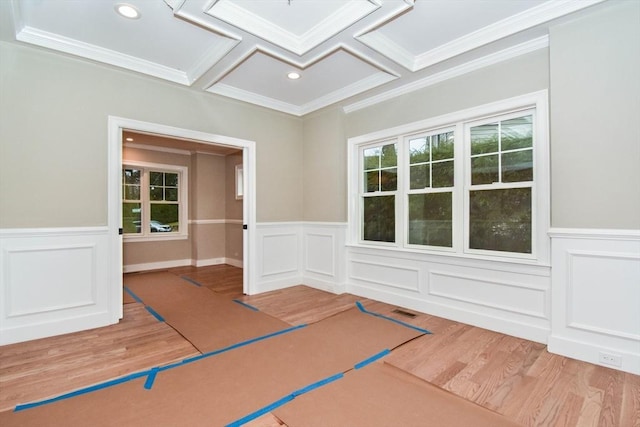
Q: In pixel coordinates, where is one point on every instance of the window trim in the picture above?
(183, 202)
(537, 101)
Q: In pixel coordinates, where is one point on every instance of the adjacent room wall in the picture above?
(233, 213)
(207, 215)
(156, 252)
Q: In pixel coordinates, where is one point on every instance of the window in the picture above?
(501, 172)
(381, 185)
(430, 192)
(468, 183)
(154, 201)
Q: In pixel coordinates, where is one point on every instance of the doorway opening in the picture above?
(158, 151)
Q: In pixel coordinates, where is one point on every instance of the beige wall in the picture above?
(53, 137)
(325, 174)
(233, 206)
(595, 119)
(208, 186)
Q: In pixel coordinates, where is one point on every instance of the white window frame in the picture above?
(537, 101)
(397, 193)
(468, 187)
(183, 202)
(407, 190)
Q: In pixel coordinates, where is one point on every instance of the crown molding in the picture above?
(253, 98)
(529, 18)
(96, 53)
(497, 57)
(353, 89)
(522, 21)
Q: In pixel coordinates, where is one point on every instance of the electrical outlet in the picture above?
(610, 359)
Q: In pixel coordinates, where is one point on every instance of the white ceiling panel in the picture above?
(294, 25)
(347, 51)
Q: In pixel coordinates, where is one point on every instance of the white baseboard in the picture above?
(591, 352)
(234, 262)
(483, 320)
(329, 286)
(149, 266)
(274, 285)
(208, 262)
(163, 265)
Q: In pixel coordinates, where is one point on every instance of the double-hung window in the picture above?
(380, 190)
(501, 177)
(154, 201)
(430, 164)
(473, 183)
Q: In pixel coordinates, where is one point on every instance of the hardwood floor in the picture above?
(512, 376)
(46, 367)
(223, 279)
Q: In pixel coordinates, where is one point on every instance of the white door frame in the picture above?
(116, 126)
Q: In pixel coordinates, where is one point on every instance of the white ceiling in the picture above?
(349, 51)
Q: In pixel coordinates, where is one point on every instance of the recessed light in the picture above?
(127, 11)
(293, 75)
(129, 139)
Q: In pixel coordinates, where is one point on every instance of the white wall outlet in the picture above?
(610, 359)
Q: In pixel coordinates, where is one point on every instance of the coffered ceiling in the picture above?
(346, 51)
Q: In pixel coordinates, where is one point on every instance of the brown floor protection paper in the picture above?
(209, 321)
(380, 395)
(224, 388)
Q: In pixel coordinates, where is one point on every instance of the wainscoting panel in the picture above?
(495, 294)
(376, 272)
(278, 261)
(54, 282)
(323, 255)
(506, 297)
(596, 297)
(293, 253)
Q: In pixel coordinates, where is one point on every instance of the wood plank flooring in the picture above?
(515, 377)
(46, 367)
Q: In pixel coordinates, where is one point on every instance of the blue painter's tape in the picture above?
(134, 296)
(152, 373)
(190, 280)
(154, 313)
(261, 411)
(408, 325)
(372, 359)
(317, 384)
(151, 378)
(286, 399)
(249, 306)
(231, 347)
(82, 391)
